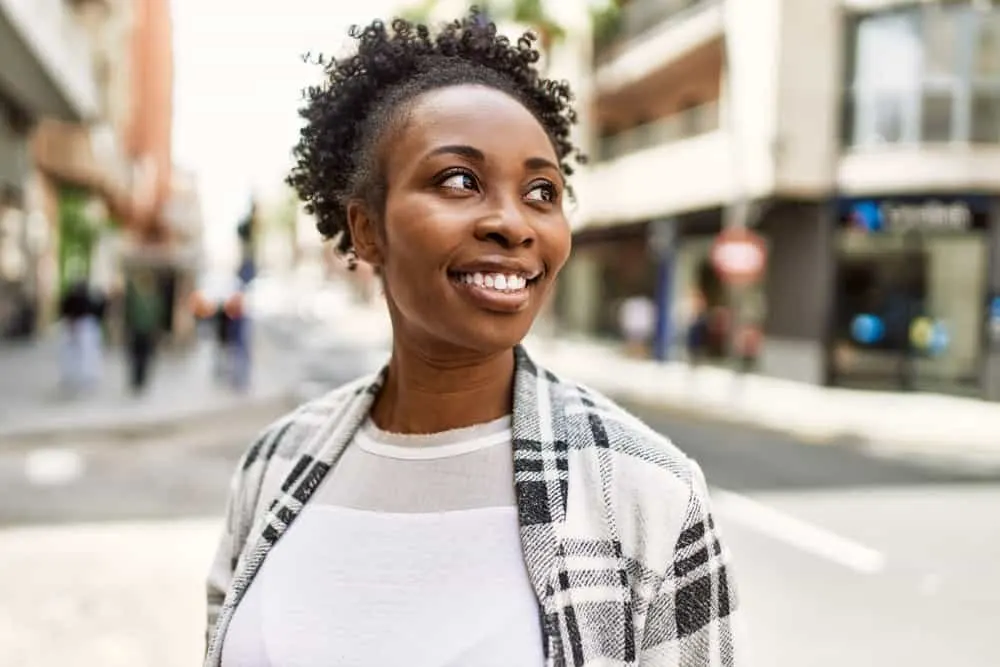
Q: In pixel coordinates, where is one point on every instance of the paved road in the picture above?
(841, 558)
(847, 559)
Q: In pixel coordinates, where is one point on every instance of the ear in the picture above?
(364, 233)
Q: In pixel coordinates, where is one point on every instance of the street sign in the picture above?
(739, 256)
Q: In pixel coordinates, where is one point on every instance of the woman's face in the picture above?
(474, 233)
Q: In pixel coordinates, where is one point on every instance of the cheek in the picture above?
(558, 242)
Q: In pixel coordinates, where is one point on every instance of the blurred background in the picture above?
(786, 257)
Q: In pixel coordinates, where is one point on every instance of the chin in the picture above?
(488, 337)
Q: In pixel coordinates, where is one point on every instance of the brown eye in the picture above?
(543, 191)
(460, 180)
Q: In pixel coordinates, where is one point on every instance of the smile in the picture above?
(495, 291)
(501, 282)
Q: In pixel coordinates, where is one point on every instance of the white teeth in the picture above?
(498, 281)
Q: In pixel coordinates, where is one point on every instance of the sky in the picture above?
(239, 74)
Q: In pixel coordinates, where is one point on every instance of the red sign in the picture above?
(739, 255)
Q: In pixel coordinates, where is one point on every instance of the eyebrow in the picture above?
(468, 152)
(476, 155)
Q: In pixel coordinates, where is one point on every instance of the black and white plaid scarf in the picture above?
(616, 529)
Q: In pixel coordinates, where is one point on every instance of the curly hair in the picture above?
(366, 96)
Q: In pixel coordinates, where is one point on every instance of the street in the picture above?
(840, 557)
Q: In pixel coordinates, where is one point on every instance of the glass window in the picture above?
(986, 116)
(925, 74)
(937, 111)
(987, 46)
(889, 52)
(941, 40)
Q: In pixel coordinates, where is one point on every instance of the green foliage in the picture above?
(529, 12)
(77, 236)
(607, 24)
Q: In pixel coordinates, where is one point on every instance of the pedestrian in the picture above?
(637, 321)
(697, 329)
(237, 342)
(143, 317)
(464, 506)
(81, 344)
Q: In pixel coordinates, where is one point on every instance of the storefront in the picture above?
(663, 261)
(911, 281)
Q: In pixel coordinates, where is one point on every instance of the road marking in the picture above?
(797, 533)
(53, 467)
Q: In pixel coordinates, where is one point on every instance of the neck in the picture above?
(429, 394)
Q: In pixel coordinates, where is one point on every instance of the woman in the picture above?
(464, 506)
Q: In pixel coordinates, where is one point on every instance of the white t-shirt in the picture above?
(409, 554)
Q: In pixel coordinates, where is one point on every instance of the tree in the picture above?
(531, 13)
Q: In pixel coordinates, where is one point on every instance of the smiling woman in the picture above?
(464, 506)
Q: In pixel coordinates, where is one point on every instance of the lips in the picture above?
(496, 284)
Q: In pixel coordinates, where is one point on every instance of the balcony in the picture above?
(51, 72)
(652, 34)
(681, 163)
(690, 123)
(920, 169)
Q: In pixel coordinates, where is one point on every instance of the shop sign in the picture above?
(739, 255)
(902, 216)
(930, 216)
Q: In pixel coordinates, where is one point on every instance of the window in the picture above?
(937, 116)
(886, 79)
(987, 46)
(925, 74)
(986, 117)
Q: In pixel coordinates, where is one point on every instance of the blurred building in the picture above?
(861, 138)
(91, 97)
(46, 71)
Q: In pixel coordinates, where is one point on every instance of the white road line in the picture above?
(797, 533)
(53, 467)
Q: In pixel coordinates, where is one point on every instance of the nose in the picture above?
(507, 226)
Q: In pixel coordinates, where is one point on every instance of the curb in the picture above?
(252, 415)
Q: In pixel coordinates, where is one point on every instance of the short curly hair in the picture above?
(367, 95)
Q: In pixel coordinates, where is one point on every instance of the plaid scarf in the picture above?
(616, 530)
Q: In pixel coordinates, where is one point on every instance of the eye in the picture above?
(458, 180)
(543, 191)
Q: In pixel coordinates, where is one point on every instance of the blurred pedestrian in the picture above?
(81, 355)
(143, 318)
(236, 341)
(637, 320)
(697, 329)
(465, 506)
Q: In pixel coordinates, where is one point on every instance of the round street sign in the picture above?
(739, 255)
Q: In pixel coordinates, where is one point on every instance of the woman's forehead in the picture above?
(473, 115)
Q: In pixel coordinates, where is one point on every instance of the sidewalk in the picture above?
(913, 424)
(918, 424)
(182, 394)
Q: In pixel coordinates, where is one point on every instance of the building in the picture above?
(860, 138)
(95, 141)
(45, 72)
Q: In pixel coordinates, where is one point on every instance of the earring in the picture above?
(352, 259)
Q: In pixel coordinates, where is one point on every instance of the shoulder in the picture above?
(286, 438)
(648, 487)
(602, 424)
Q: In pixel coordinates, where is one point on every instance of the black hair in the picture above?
(367, 94)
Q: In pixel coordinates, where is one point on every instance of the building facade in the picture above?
(45, 72)
(860, 138)
(90, 92)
